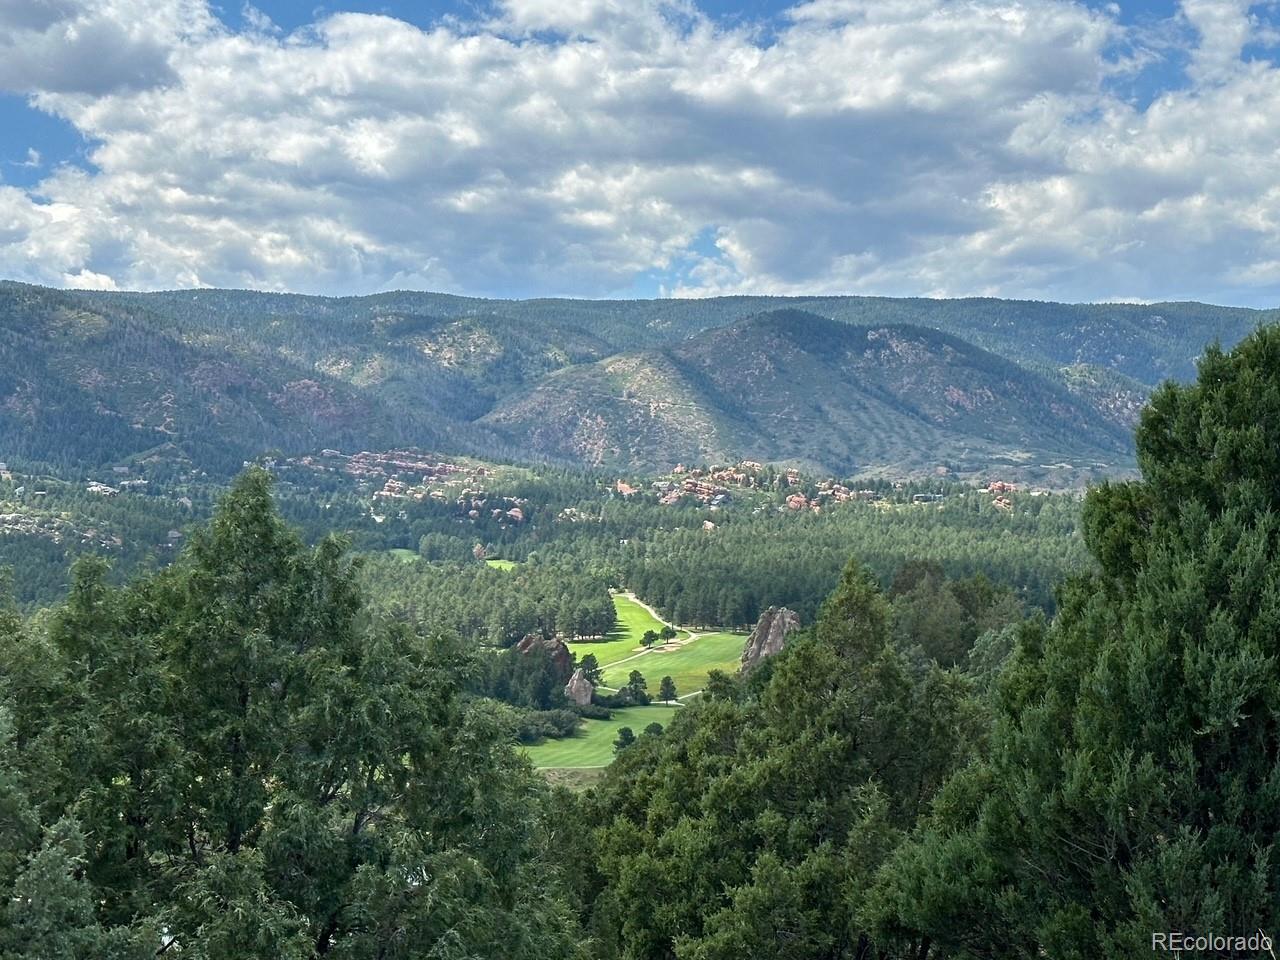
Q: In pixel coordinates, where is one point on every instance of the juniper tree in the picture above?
(261, 770)
(1133, 781)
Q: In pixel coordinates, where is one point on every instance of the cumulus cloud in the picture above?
(873, 146)
(94, 46)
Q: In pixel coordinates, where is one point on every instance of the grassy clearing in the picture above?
(688, 665)
(592, 746)
(501, 564)
(404, 555)
(624, 640)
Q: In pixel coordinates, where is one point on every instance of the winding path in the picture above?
(692, 636)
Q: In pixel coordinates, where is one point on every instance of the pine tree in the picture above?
(667, 690)
(764, 810)
(590, 668)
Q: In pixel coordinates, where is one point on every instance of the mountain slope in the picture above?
(793, 386)
(214, 377)
(81, 387)
(1146, 342)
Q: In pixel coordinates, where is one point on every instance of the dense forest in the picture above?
(757, 553)
(977, 746)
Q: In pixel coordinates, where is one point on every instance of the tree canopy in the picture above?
(1131, 784)
(229, 759)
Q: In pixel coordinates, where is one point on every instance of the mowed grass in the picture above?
(592, 746)
(624, 640)
(404, 555)
(688, 665)
(501, 564)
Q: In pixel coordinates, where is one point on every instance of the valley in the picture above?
(783, 579)
(466, 495)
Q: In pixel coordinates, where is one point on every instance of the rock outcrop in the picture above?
(553, 646)
(769, 635)
(579, 690)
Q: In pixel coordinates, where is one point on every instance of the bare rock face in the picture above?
(769, 636)
(560, 654)
(579, 689)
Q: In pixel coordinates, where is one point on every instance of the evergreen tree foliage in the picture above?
(753, 826)
(1132, 785)
(666, 690)
(258, 769)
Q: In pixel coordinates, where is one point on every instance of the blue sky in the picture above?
(1028, 148)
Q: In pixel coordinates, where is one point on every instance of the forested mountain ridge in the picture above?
(790, 386)
(219, 376)
(1147, 342)
(86, 387)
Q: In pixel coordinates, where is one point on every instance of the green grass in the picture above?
(502, 564)
(624, 640)
(407, 556)
(688, 665)
(592, 746)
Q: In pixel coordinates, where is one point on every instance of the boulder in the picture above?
(579, 690)
(555, 647)
(769, 635)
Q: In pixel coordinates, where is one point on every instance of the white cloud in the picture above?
(876, 146)
(94, 46)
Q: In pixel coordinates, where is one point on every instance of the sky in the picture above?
(1039, 149)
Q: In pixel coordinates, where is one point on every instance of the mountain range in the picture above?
(847, 385)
